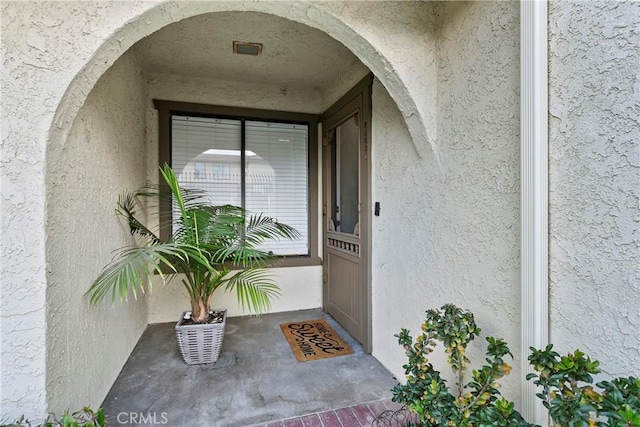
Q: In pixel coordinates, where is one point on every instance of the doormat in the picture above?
(313, 340)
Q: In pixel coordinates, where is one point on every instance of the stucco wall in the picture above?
(301, 288)
(456, 223)
(235, 94)
(594, 161)
(104, 154)
(401, 288)
(479, 136)
(469, 223)
(53, 55)
(44, 47)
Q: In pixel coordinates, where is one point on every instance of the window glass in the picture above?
(200, 144)
(345, 170)
(277, 177)
(207, 154)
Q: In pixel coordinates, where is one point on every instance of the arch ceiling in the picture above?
(403, 86)
(293, 54)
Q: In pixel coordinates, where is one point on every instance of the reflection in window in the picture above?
(220, 171)
(345, 167)
(199, 170)
(277, 178)
(207, 154)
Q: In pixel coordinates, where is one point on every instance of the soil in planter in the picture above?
(214, 317)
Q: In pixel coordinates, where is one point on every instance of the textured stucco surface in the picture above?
(104, 154)
(293, 54)
(594, 162)
(216, 91)
(44, 46)
(457, 226)
(478, 118)
(53, 55)
(380, 47)
(450, 75)
(301, 289)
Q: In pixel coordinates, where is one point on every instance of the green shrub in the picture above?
(565, 382)
(477, 402)
(86, 417)
(620, 402)
(568, 394)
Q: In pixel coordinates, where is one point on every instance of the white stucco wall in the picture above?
(234, 94)
(401, 288)
(479, 136)
(456, 223)
(594, 160)
(44, 47)
(301, 288)
(104, 154)
(53, 55)
(458, 211)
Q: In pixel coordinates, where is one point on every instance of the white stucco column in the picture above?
(534, 194)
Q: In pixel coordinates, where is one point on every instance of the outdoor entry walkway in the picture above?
(362, 415)
(256, 381)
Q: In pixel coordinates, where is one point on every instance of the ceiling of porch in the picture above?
(294, 55)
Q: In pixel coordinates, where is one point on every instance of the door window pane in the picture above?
(346, 173)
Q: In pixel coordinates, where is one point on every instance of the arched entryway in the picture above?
(105, 103)
(403, 86)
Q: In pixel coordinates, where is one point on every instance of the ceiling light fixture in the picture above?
(244, 48)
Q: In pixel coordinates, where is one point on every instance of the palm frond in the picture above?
(241, 255)
(134, 267)
(127, 208)
(221, 223)
(261, 228)
(243, 250)
(205, 237)
(254, 288)
(214, 279)
(195, 198)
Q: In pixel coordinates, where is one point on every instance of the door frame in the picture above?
(361, 90)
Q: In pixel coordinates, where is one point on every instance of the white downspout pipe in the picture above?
(534, 194)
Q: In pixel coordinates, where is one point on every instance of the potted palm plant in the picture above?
(211, 247)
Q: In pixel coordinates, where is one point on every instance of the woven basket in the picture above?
(200, 343)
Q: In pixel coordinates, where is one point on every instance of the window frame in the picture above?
(166, 109)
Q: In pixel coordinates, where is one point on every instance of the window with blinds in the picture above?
(260, 165)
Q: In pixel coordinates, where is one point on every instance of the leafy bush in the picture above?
(86, 417)
(620, 402)
(565, 382)
(567, 391)
(477, 402)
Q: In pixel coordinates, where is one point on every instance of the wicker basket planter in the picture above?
(200, 343)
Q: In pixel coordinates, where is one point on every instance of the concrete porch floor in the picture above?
(257, 379)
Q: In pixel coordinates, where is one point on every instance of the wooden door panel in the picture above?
(346, 213)
(343, 294)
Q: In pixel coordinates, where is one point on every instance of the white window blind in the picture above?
(277, 177)
(206, 154)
